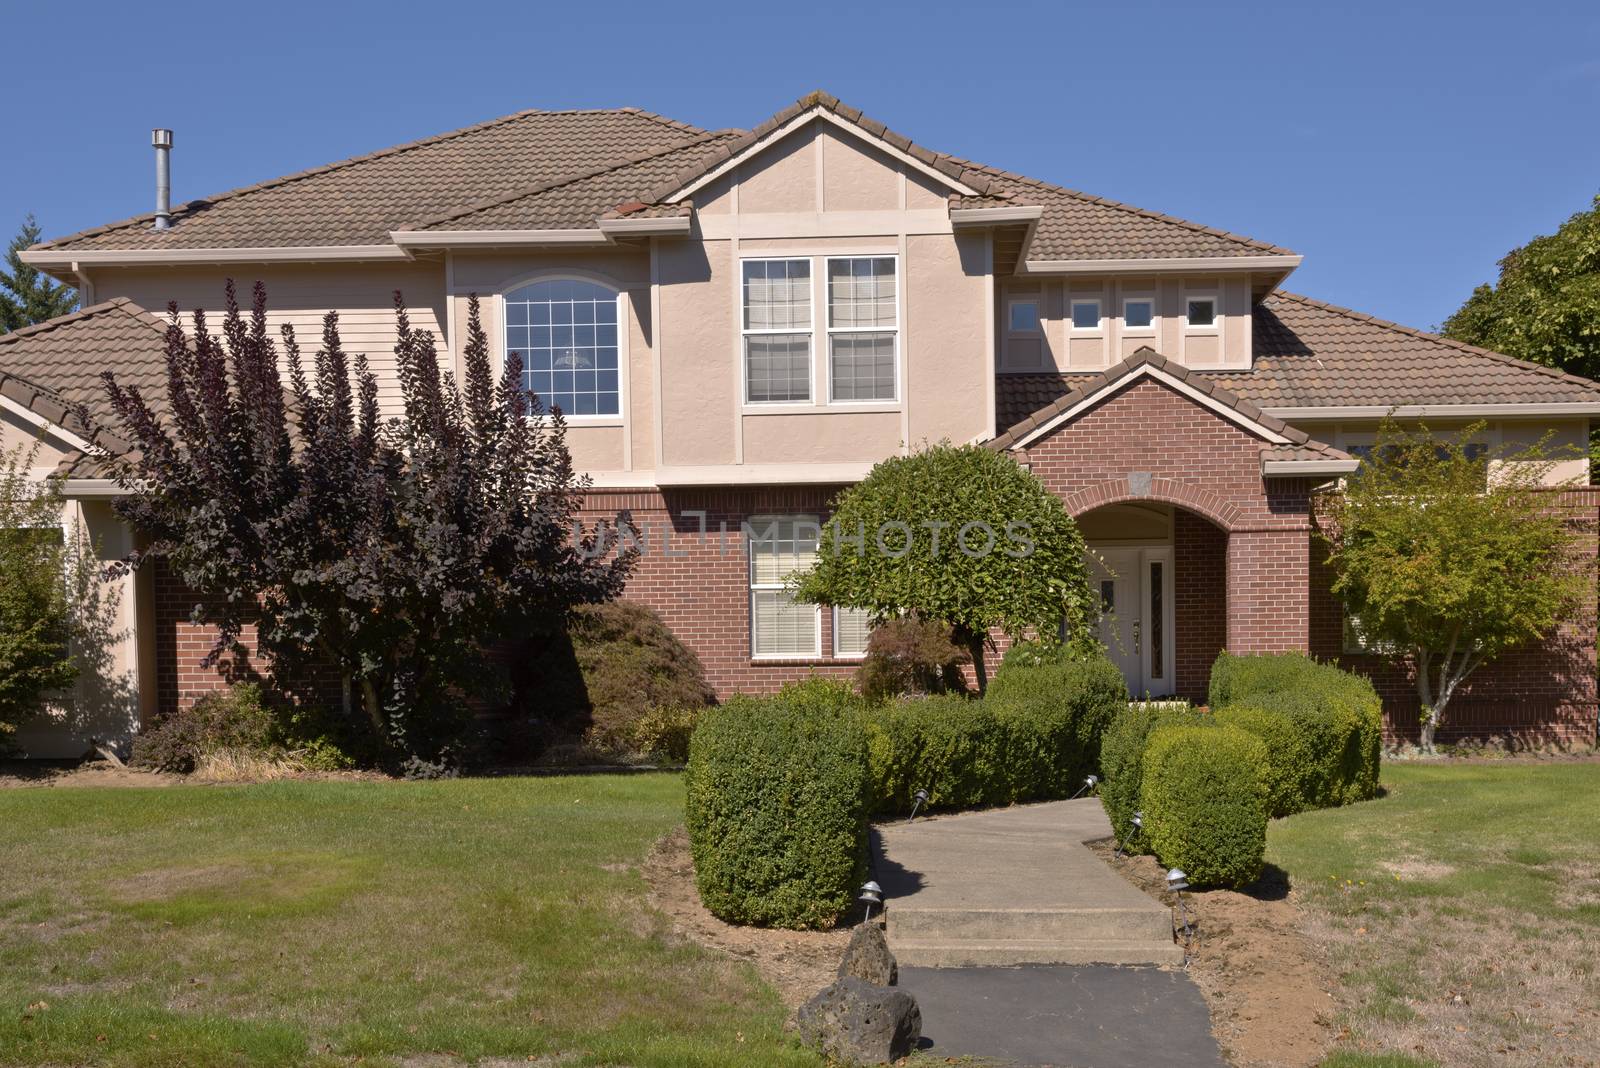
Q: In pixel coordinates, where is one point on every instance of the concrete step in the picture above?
(1110, 924)
(1002, 953)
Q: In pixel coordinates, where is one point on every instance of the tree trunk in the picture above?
(369, 699)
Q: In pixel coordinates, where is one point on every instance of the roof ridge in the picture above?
(545, 187)
(122, 304)
(1437, 339)
(351, 161)
(1118, 205)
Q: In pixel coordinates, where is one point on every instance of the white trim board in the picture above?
(804, 118)
(1151, 371)
(1291, 468)
(71, 260)
(1166, 264)
(1378, 411)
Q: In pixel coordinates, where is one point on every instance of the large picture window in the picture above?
(780, 626)
(863, 328)
(777, 331)
(566, 333)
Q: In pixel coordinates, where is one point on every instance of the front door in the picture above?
(1136, 617)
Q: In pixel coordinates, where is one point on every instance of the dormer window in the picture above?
(1086, 315)
(1201, 312)
(1139, 314)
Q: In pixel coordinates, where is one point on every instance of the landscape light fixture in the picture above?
(1088, 784)
(919, 799)
(1137, 822)
(1178, 882)
(871, 894)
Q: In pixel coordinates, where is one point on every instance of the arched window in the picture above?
(566, 332)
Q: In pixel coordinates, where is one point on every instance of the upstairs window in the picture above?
(565, 330)
(1139, 314)
(780, 626)
(1201, 312)
(1024, 317)
(1086, 315)
(863, 328)
(777, 331)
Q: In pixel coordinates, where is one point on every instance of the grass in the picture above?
(1461, 908)
(328, 923)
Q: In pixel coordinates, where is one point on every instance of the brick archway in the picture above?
(1142, 486)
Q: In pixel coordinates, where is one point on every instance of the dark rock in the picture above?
(856, 1022)
(868, 957)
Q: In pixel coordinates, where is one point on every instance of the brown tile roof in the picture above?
(1082, 387)
(358, 201)
(1312, 354)
(561, 169)
(54, 368)
(1312, 450)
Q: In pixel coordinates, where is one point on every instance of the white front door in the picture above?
(1136, 616)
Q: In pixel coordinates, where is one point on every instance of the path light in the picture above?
(871, 894)
(920, 798)
(1137, 822)
(1088, 784)
(1178, 882)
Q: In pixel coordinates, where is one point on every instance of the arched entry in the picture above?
(1160, 571)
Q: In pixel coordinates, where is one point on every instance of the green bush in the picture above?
(1122, 753)
(1060, 709)
(1291, 773)
(1205, 803)
(909, 656)
(776, 806)
(236, 718)
(1339, 714)
(665, 732)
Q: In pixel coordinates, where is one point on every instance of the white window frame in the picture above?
(758, 522)
(623, 329)
(1155, 316)
(830, 330)
(837, 653)
(1038, 316)
(1215, 326)
(811, 333)
(1099, 316)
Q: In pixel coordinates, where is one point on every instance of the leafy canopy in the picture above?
(1446, 555)
(390, 552)
(27, 295)
(957, 534)
(1545, 306)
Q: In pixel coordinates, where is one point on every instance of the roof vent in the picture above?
(162, 140)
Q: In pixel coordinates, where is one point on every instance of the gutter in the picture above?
(1291, 468)
(74, 260)
(1163, 264)
(963, 217)
(79, 488)
(1379, 411)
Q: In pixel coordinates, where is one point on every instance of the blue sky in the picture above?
(1402, 148)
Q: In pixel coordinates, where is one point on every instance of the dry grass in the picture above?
(247, 765)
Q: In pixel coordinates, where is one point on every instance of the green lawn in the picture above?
(1462, 909)
(331, 922)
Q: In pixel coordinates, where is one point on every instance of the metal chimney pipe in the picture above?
(162, 140)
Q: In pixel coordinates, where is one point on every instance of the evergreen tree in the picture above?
(27, 295)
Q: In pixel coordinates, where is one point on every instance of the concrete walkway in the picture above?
(1014, 886)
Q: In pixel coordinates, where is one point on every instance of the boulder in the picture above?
(868, 957)
(858, 1023)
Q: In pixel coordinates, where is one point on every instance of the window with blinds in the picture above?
(863, 328)
(780, 626)
(851, 628)
(777, 331)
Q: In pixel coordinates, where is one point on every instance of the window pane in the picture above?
(851, 628)
(1202, 312)
(780, 545)
(777, 294)
(582, 354)
(1157, 638)
(863, 366)
(861, 291)
(1086, 314)
(1024, 317)
(777, 367)
(782, 627)
(1138, 313)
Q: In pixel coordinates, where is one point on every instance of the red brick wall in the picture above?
(1200, 609)
(181, 645)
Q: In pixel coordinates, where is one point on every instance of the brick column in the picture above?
(1269, 604)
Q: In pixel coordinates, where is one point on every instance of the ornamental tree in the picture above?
(1447, 556)
(960, 535)
(393, 552)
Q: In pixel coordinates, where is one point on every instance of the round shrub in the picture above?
(1070, 701)
(776, 806)
(1204, 803)
(1122, 754)
(908, 656)
(235, 719)
(1290, 775)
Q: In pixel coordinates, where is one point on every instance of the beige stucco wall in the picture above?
(1057, 346)
(1564, 441)
(362, 294)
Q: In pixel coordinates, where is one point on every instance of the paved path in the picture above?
(1014, 886)
(1065, 1016)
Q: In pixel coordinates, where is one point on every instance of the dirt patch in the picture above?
(1415, 868)
(1262, 976)
(797, 963)
(14, 773)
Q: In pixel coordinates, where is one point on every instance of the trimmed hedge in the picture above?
(777, 806)
(1122, 753)
(1291, 772)
(1338, 715)
(1205, 803)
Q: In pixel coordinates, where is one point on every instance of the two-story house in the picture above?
(739, 323)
